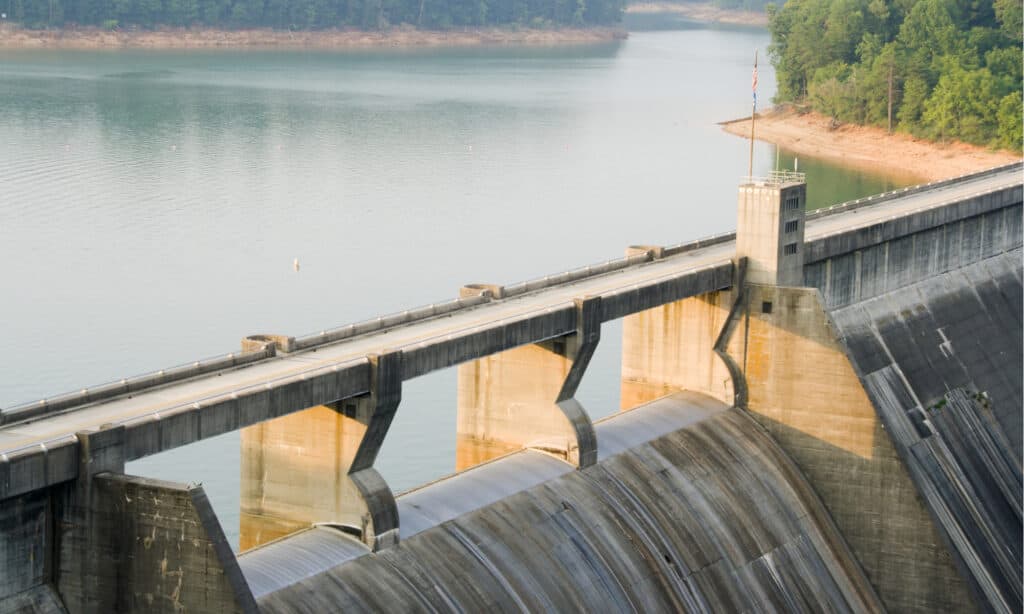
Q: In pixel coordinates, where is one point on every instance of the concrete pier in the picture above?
(316, 466)
(524, 398)
(672, 348)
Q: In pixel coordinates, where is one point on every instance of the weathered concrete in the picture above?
(671, 348)
(317, 466)
(857, 266)
(41, 599)
(941, 361)
(524, 397)
(121, 544)
(770, 229)
(26, 540)
(171, 553)
(712, 517)
(802, 388)
(87, 538)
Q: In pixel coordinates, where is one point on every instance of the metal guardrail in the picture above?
(35, 409)
(572, 275)
(905, 214)
(384, 322)
(701, 243)
(875, 199)
(775, 178)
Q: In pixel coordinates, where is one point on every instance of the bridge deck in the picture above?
(55, 431)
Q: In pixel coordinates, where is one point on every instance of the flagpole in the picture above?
(753, 113)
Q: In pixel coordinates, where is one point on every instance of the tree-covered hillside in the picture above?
(311, 14)
(942, 69)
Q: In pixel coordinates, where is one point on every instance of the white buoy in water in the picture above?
(295, 264)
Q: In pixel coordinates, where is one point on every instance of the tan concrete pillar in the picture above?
(672, 347)
(802, 388)
(523, 397)
(316, 465)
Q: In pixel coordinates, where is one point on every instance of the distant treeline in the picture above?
(941, 69)
(312, 14)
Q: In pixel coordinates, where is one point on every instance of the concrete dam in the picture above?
(821, 412)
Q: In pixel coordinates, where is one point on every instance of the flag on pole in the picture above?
(753, 85)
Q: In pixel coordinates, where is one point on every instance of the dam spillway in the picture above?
(711, 516)
(830, 411)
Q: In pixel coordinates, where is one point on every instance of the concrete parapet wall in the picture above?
(229, 412)
(628, 301)
(873, 261)
(910, 223)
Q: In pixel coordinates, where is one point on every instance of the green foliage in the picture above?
(950, 69)
(315, 14)
(1008, 119)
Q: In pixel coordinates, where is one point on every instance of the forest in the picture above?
(311, 14)
(938, 69)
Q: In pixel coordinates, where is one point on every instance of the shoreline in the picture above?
(703, 12)
(210, 38)
(867, 147)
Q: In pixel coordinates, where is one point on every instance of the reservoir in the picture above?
(153, 204)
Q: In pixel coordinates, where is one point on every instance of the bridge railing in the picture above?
(701, 243)
(572, 275)
(775, 178)
(384, 322)
(851, 205)
(35, 409)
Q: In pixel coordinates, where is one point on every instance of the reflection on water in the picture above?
(835, 184)
(153, 202)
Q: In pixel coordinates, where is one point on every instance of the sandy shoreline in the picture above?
(867, 147)
(703, 11)
(198, 38)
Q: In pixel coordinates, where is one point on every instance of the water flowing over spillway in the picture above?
(692, 507)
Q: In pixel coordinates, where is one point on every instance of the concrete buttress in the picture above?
(525, 397)
(673, 347)
(126, 543)
(316, 466)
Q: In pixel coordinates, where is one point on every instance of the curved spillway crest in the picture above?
(711, 517)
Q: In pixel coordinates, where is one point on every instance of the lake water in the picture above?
(152, 203)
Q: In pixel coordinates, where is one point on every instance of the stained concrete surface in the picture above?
(711, 517)
(941, 361)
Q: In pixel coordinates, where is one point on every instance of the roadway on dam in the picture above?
(61, 426)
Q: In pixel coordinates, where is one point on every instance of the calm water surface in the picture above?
(152, 203)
